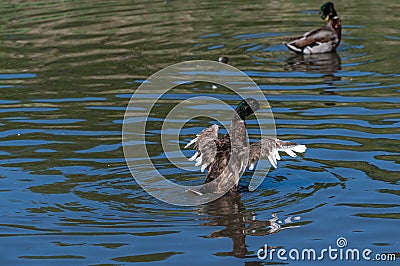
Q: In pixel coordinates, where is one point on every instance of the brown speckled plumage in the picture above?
(226, 158)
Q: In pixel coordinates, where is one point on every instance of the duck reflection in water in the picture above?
(230, 212)
(327, 64)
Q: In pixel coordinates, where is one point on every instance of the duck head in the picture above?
(247, 107)
(327, 11)
(223, 59)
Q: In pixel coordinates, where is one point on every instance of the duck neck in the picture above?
(336, 25)
(237, 131)
(238, 117)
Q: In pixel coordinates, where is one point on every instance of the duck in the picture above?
(223, 59)
(227, 157)
(323, 40)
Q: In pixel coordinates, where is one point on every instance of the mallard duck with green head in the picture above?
(226, 158)
(323, 40)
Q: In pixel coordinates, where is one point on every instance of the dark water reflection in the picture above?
(68, 70)
(327, 64)
(229, 212)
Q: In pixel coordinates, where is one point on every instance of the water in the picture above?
(68, 69)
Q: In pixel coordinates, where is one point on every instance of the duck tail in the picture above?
(293, 47)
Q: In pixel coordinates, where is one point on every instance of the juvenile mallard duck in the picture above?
(227, 157)
(323, 40)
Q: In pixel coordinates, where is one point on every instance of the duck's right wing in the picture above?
(206, 147)
(270, 148)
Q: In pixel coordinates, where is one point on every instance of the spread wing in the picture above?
(205, 146)
(270, 148)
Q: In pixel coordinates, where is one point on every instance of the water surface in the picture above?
(68, 70)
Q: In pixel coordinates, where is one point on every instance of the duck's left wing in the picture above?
(205, 145)
(270, 148)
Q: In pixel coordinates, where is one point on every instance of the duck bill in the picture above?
(326, 18)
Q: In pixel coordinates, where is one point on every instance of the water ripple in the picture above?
(68, 70)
